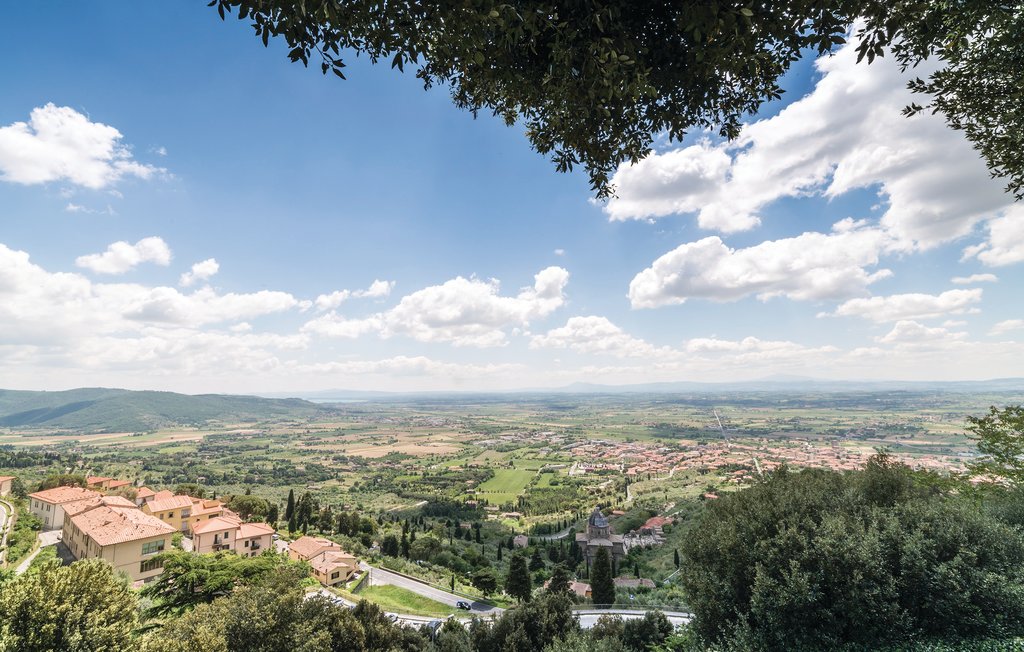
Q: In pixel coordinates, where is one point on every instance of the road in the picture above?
(48, 538)
(553, 537)
(380, 576)
(588, 617)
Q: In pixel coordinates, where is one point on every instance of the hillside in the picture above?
(119, 410)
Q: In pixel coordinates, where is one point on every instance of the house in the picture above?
(599, 535)
(331, 565)
(229, 533)
(143, 495)
(520, 541)
(118, 484)
(205, 510)
(173, 510)
(114, 529)
(6, 484)
(48, 504)
(582, 589)
(97, 482)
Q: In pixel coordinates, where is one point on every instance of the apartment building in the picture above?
(6, 484)
(230, 533)
(182, 512)
(114, 529)
(48, 504)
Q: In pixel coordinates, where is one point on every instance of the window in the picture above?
(170, 514)
(48, 508)
(335, 575)
(152, 547)
(246, 543)
(152, 564)
(227, 535)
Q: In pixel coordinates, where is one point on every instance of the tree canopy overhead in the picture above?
(594, 81)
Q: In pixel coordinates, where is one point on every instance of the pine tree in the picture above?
(602, 586)
(289, 510)
(517, 582)
(536, 561)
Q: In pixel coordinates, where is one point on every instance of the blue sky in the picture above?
(365, 234)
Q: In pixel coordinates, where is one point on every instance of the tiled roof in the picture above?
(96, 479)
(250, 530)
(164, 504)
(306, 547)
(144, 492)
(163, 493)
(215, 525)
(5, 478)
(116, 484)
(328, 560)
(79, 506)
(200, 507)
(61, 495)
(109, 525)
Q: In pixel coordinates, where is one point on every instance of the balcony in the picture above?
(255, 545)
(221, 546)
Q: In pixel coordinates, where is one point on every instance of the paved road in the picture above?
(553, 537)
(589, 617)
(48, 538)
(380, 576)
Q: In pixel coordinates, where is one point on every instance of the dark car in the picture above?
(462, 604)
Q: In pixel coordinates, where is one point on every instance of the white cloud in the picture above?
(974, 278)
(595, 334)
(465, 312)
(914, 333)
(751, 348)
(899, 307)
(810, 266)
(846, 134)
(121, 257)
(61, 144)
(411, 366)
(1007, 326)
(559, 252)
(201, 271)
(1005, 243)
(377, 290)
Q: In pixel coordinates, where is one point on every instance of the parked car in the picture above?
(462, 604)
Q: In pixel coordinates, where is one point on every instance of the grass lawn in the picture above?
(506, 484)
(398, 600)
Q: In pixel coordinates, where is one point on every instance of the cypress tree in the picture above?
(517, 582)
(536, 561)
(675, 557)
(602, 586)
(289, 510)
(405, 544)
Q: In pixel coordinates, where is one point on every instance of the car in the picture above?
(462, 604)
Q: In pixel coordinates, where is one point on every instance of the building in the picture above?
(599, 535)
(229, 533)
(6, 484)
(143, 495)
(520, 541)
(633, 583)
(183, 512)
(114, 529)
(331, 565)
(581, 589)
(97, 482)
(48, 504)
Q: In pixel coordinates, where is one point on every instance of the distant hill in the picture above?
(120, 410)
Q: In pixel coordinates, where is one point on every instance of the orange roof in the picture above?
(200, 507)
(215, 525)
(96, 479)
(116, 484)
(61, 495)
(328, 560)
(160, 495)
(144, 492)
(84, 505)
(307, 547)
(5, 478)
(164, 504)
(250, 530)
(110, 525)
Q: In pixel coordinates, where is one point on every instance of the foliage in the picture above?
(190, 579)
(640, 634)
(602, 585)
(77, 608)
(560, 579)
(22, 536)
(818, 559)
(592, 83)
(529, 627)
(485, 580)
(1000, 437)
(517, 581)
(62, 480)
(248, 506)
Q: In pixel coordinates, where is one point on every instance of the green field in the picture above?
(398, 600)
(506, 485)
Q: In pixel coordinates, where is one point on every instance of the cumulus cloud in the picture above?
(595, 334)
(912, 332)
(810, 266)
(974, 278)
(846, 134)
(1005, 243)
(899, 307)
(465, 312)
(1007, 326)
(61, 144)
(201, 271)
(121, 257)
(377, 290)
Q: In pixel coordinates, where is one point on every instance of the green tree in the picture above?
(560, 579)
(61, 480)
(537, 561)
(248, 506)
(485, 580)
(602, 586)
(272, 514)
(389, 546)
(189, 489)
(675, 557)
(1000, 439)
(641, 634)
(531, 626)
(517, 581)
(290, 506)
(78, 608)
(593, 84)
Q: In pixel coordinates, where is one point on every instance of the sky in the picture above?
(183, 209)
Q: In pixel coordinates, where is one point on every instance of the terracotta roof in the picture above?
(79, 506)
(200, 507)
(160, 495)
(328, 560)
(144, 492)
(96, 479)
(61, 495)
(116, 484)
(5, 478)
(164, 504)
(215, 525)
(306, 547)
(250, 530)
(109, 525)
